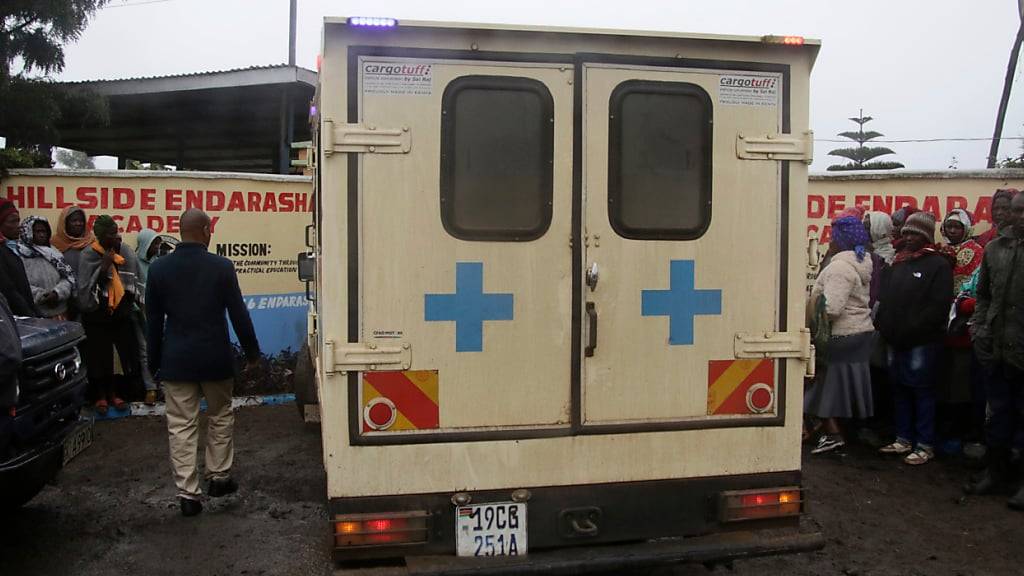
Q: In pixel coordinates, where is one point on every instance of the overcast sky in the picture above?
(923, 69)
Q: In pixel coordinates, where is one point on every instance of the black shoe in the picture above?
(220, 488)
(1017, 501)
(989, 482)
(993, 479)
(190, 507)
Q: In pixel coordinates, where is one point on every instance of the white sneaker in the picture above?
(828, 443)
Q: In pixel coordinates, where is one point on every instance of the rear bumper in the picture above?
(616, 557)
(623, 512)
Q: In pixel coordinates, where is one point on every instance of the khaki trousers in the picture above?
(183, 430)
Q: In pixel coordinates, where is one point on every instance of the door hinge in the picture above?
(363, 357)
(776, 146)
(365, 139)
(776, 345)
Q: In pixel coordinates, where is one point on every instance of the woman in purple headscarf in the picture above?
(842, 389)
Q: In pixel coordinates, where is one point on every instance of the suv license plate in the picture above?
(77, 441)
(491, 529)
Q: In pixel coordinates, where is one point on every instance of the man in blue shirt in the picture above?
(189, 294)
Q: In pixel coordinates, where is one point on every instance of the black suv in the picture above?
(46, 431)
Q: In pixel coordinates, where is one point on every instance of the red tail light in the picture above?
(357, 530)
(738, 505)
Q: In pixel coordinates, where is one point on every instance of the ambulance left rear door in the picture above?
(464, 246)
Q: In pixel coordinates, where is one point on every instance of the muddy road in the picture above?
(113, 511)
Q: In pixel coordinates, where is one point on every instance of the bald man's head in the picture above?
(195, 227)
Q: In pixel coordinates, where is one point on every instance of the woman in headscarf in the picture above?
(880, 226)
(13, 280)
(961, 380)
(71, 236)
(843, 388)
(956, 229)
(107, 278)
(147, 249)
(52, 281)
(899, 219)
(1000, 214)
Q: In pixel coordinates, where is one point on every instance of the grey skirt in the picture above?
(843, 388)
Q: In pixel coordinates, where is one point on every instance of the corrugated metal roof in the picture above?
(189, 74)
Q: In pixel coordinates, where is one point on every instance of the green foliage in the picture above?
(865, 166)
(861, 154)
(33, 34)
(861, 157)
(136, 165)
(25, 157)
(861, 137)
(35, 31)
(1013, 162)
(1017, 162)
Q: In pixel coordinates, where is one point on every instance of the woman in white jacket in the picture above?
(51, 279)
(843, 388)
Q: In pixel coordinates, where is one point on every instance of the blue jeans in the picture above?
(1004, 386)
(912, 374)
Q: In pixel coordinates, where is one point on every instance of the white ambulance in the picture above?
(559, 303)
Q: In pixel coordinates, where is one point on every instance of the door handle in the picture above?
(592, 332)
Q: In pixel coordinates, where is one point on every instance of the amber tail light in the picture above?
(760, 503)
(382, 529)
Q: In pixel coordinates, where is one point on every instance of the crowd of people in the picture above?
(87, 276)
(164, 313)
(923, 340)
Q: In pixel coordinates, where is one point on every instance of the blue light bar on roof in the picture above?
(372, 22)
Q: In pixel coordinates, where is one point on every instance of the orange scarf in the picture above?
(115, 292)
(62, 241)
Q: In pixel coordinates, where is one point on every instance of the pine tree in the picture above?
(862, 157)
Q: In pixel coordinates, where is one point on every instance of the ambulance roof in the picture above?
(343, 20)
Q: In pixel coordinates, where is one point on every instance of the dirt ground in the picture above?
(113, 511)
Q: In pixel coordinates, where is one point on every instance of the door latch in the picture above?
(592, 276)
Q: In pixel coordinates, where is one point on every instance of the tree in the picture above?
(74, 159)
(862, 157)
(32, 35)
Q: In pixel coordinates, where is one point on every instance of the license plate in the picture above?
(491, 529)
(77, 441)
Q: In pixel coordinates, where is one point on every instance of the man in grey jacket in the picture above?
(997, 329)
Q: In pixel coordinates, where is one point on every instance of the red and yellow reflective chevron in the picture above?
(412, 393)
(741, 386)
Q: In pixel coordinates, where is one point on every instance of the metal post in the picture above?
(291, 32)
(283, 152)
(1011, 68)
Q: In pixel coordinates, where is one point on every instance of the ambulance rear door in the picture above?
(463, 246)
(684, 245)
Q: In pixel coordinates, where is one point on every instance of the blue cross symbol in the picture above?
(469, 307)
(680, 302)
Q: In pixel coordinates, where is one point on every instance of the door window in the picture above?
(659, 160)
(497, 147)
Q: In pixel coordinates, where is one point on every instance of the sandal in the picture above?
(101, 406)
(119, 404)
(899, 447)
(919, 456)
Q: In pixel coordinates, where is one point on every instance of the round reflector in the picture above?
(760, 398)
(380, 413)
